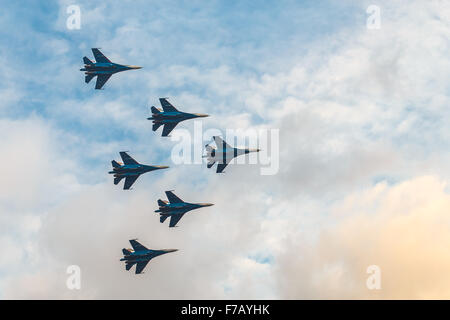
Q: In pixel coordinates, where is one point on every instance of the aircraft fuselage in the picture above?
(174, 117)
(220, 155)
(145, 255)
(106, 68)
(134, 169)
(181, 208)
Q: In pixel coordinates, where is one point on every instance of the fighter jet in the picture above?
(223, 154)
(170, 117)
(130, 170)
(103, 68)
(140, 256)
(176, 208)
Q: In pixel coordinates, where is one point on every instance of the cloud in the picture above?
(401, 228)
(354, 107)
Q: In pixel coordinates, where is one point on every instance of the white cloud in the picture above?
(358, 106)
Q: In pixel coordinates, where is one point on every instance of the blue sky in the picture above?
(233, 34)
(363, 122)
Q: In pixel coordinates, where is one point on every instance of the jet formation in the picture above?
(140, 256)
(170, 117)
(175, 208)
(223, 154)
(130, 169)
(102, 68)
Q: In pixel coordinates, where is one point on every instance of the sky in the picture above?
(363, 149)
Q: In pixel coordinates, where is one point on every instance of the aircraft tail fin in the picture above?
(156, 125)
(87, 61)
(126, 252)
(155, 110)
(89, 77)
(117, 180)
(162, 203)
(115, 164)
(129, 265)
(163, 217)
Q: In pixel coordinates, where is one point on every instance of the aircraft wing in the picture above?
(140, 266)
(221, 144)
(129, 182)
(137, 246)
(173, 198)
(174, 219)
(100, 57)
(127, 159)
(168, 127)
(101, 80)
(167, 106)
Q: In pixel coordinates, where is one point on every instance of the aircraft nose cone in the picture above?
(134, 67)
(207, 204)
(202, 115)
(162, 167)
(171, 250)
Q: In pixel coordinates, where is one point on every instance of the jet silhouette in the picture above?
(140, 256)
(103, 68)
(130, 170)
(176, 208)
(170, 117)
(223, 154)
